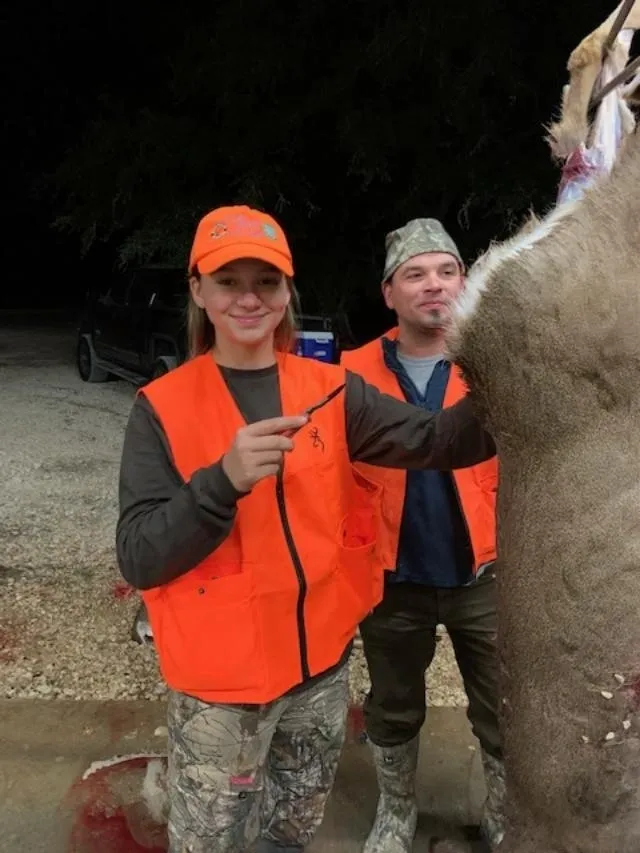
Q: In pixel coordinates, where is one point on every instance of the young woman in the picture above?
(256, 545)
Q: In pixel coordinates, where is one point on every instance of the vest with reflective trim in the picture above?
(281, 598)
(476, 486)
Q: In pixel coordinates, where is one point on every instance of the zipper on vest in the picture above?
(302, 581)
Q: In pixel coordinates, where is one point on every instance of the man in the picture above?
(443, 528)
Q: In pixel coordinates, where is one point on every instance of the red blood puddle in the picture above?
(122, 590)
(110, 814)
(355, 723)
(7, 646)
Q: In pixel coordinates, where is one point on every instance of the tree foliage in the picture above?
(343, 119)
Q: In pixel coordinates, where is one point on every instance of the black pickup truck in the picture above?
(134, 327)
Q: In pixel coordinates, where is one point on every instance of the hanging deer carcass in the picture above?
(548, 337)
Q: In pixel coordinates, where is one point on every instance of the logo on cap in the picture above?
(243, 226)
(218, 230)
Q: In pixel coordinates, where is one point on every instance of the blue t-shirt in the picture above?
(434, 547)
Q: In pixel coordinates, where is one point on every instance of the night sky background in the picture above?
(125, 123)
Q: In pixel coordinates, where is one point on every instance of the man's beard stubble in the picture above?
(431, 325)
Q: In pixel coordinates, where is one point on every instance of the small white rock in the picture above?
(610, 736)
(626, 725)
(606, 694)
(585, 739)
(161, 731)
(619, 678)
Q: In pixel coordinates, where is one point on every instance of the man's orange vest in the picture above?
(476, 487)
(281, 598)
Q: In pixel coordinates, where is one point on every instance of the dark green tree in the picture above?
(343, 119)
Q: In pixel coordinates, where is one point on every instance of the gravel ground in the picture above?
(65, 616)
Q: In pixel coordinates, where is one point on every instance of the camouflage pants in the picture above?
(238, 773)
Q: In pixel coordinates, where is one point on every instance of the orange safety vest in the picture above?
(281, 598)
(476, 486)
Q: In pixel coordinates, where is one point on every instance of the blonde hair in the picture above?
(201, 334)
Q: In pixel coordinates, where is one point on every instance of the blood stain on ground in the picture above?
(8, 643)
(122, 590)
(109, 812)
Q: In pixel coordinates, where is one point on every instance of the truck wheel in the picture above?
(163, 365)
(86, 362)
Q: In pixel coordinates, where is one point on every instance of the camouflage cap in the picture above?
(415, 238)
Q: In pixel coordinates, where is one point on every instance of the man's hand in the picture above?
(257, 451)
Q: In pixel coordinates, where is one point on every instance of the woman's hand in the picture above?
(258, 449)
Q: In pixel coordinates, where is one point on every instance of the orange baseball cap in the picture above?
(230, 233)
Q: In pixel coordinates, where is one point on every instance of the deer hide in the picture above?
(584, 66)
(547, 335)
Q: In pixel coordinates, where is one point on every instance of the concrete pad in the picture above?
(46, 747)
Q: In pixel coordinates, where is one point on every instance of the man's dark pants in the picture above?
(399, 640)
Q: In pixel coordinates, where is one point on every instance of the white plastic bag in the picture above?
(584, 165)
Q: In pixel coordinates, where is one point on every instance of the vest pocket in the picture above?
(207, 636)
(360, 571)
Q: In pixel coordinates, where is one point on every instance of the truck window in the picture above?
(139, 293)
(117, 292)
(170, 287)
